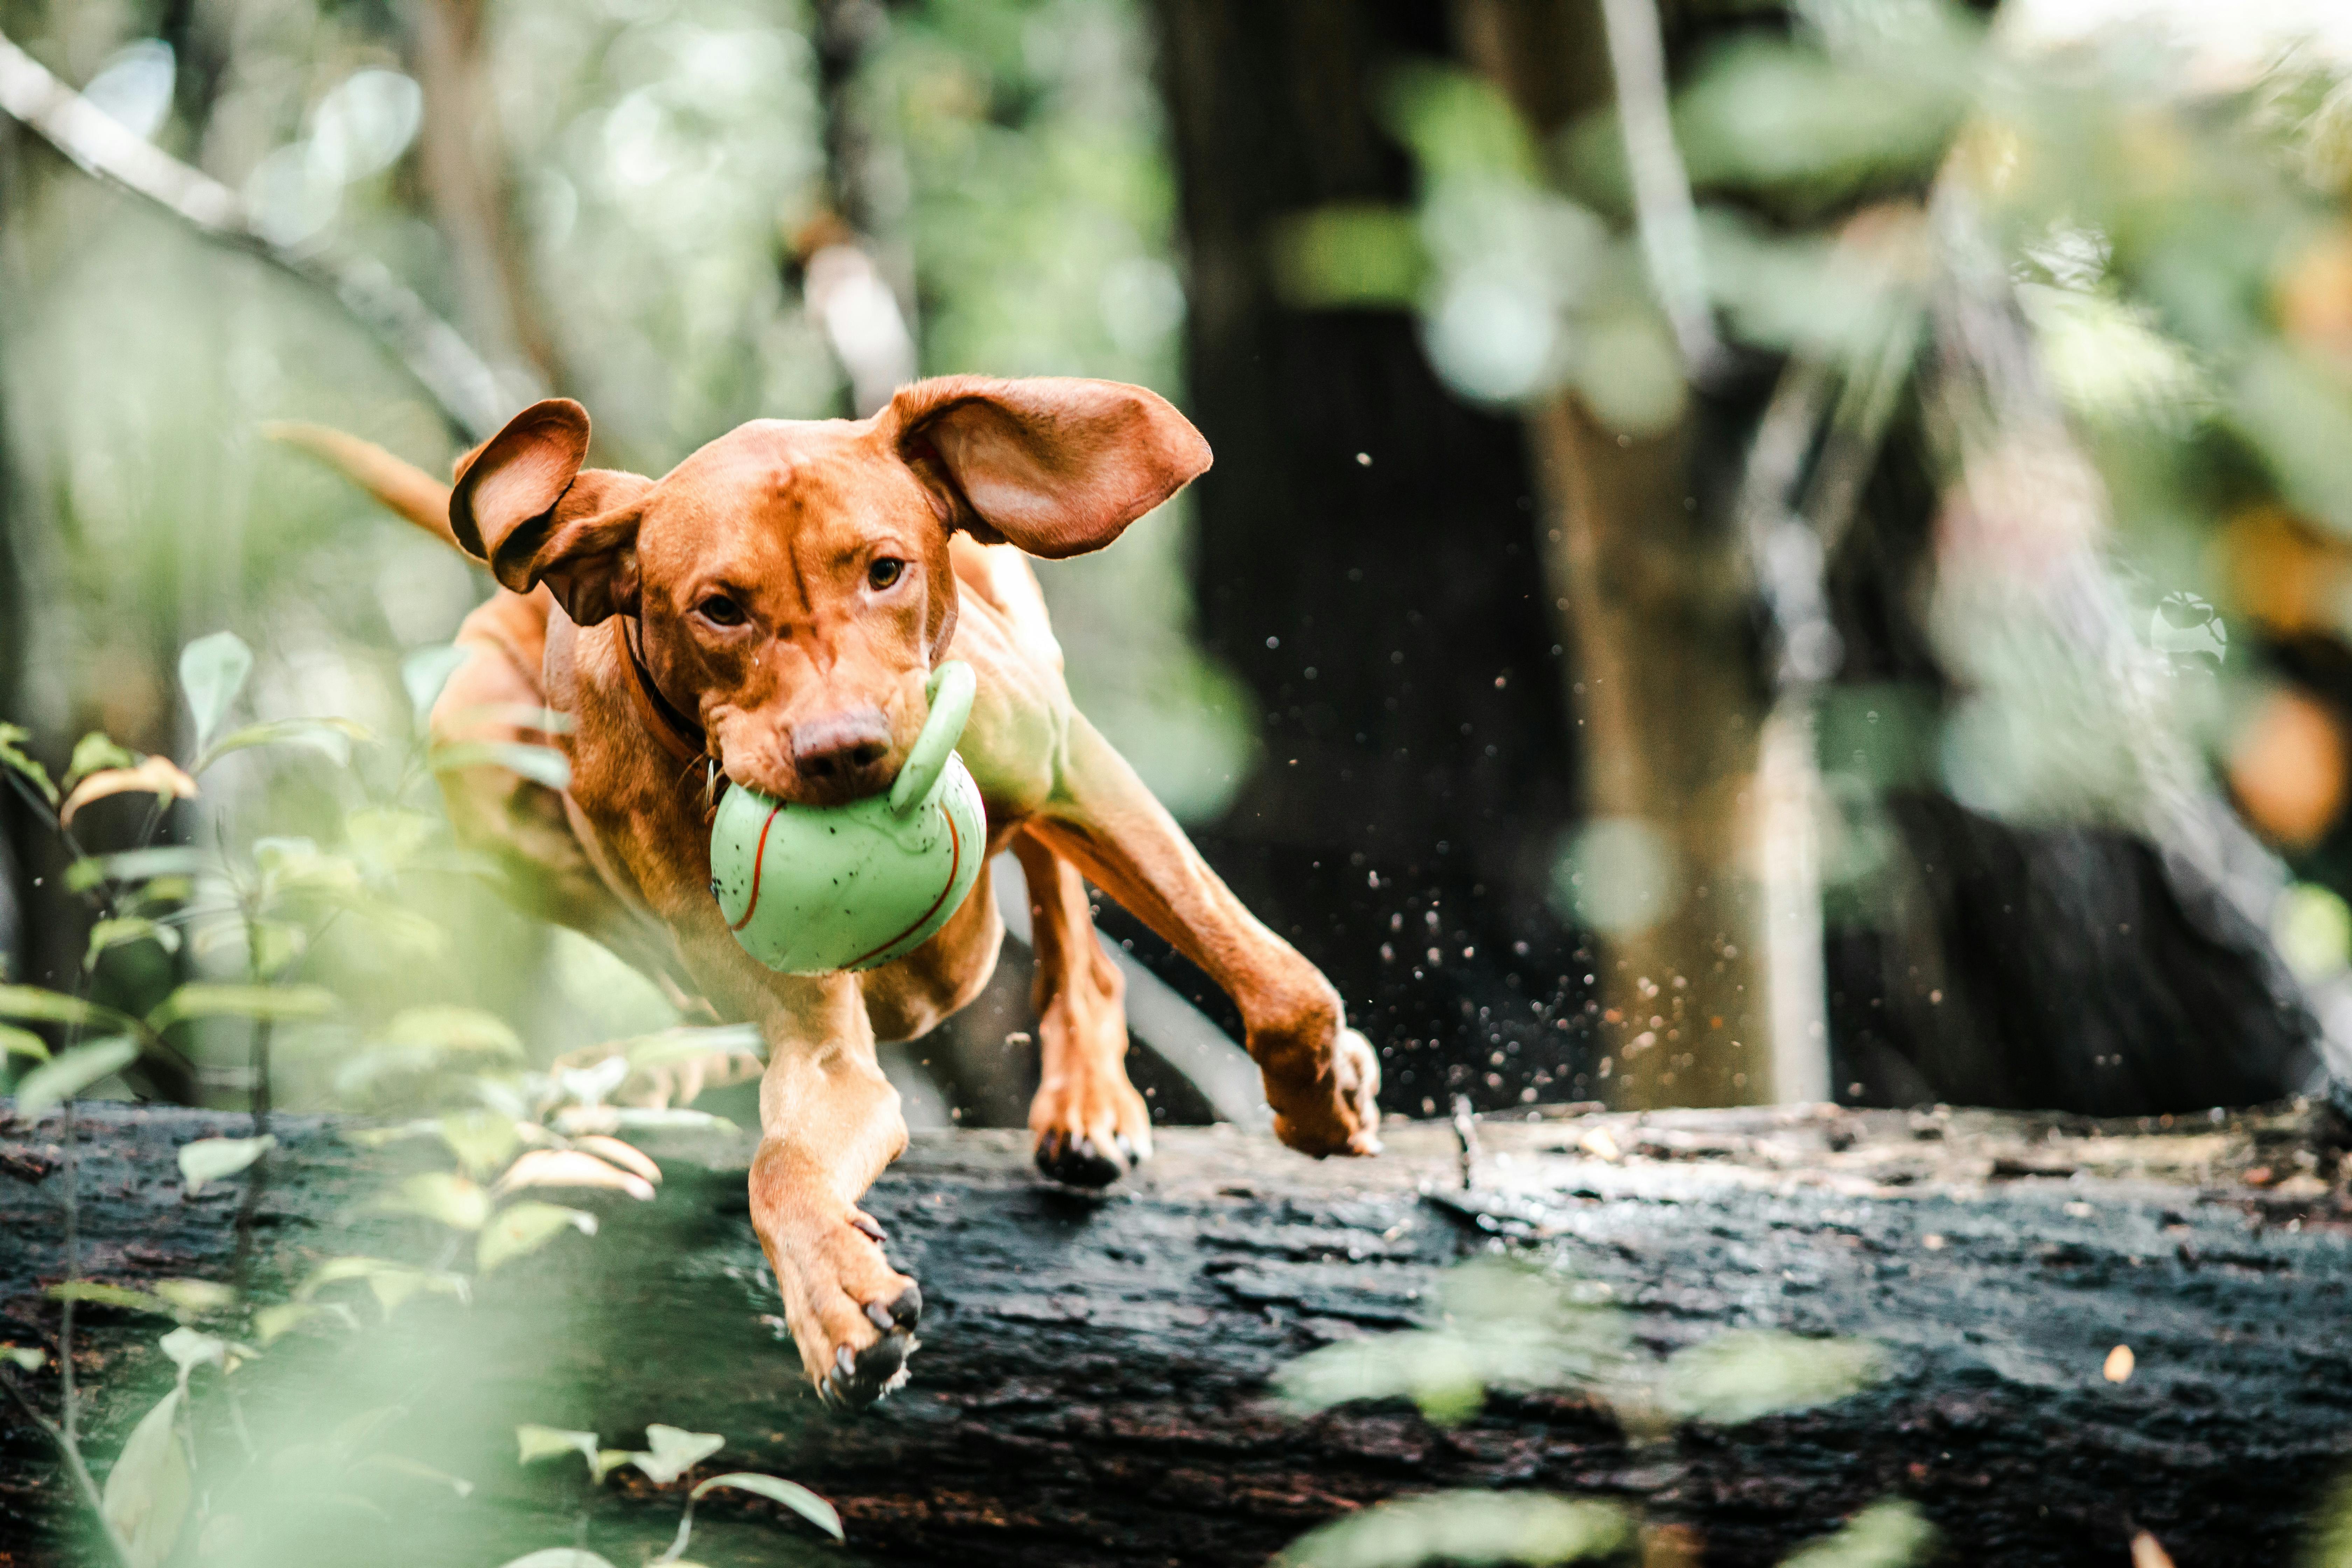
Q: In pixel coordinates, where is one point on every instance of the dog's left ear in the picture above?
(1055, 465)
(523, 504)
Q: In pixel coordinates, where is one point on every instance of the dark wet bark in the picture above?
(1091, 1389)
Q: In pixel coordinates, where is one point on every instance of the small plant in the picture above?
(669, 1454)
(512, 1136)
(1504, 1325)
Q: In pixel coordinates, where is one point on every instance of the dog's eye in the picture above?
(884, 573)
(720, 611)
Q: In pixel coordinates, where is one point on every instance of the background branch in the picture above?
(462, 386)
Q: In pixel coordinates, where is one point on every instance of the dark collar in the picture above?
(679, 736)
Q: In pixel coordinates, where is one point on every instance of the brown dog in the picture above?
(774, 606)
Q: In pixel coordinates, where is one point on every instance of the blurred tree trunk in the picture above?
(1491, 543)
(30, 863)
(1367, 567)
(1652, 586)
(467, 181)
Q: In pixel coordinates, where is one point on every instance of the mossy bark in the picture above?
(1092, 1387)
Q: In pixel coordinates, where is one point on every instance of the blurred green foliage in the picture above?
(1509, 1325)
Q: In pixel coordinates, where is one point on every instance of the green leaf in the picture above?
(1351, 257)
(207, 1160)
(14, 758)
(1765, 115)
(15, 1042)
(24, 1358)
(1506, 1326)
(652, 1117)
(271, 945)
(430, 1039)
(99, 1295)
(558, 1557)
(517, 715)
(331, 738)
(675, 1451)
(2292, 408)
(69, 1075)
(147, 1492)
(525, 1227)
(193, 1348)
(1737, 1377)
(440, 1195)
(426, 671)
(1465, 1527)
(482, 1139)
(94, 752)
(48, 1007)
(397, 930)
(1892, 1533)
(195, 1297)
(211, 672)
(274, 1004)
(401, 1465)
(139, 866)
(291, 862)
(672, 1046)
(391, 1283)
(792, 1494)
(590, 1085)
(383, 839)
(129, 929)
(464, 1030)
(542, 765)
(534, 1443)
(270, 1323)
(1459, 125)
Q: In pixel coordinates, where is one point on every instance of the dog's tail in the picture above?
(405, 487)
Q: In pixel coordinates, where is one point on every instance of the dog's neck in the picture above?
(678, 735)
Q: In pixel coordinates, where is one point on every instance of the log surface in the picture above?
(1091, 1387)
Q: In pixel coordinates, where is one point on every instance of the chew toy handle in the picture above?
(950, 689)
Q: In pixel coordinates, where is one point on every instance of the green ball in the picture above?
(811, 890)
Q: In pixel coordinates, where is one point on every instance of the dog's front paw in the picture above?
(853, 1316)
(1089, 1133)
(1335, 1110)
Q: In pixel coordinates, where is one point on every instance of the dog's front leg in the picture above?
(829, 1123)
(1321, 1077)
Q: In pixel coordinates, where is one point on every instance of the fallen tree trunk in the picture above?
(1092, 1384)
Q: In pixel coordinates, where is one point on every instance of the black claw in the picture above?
(908, 1307)
(1078, 1164)
(868, 1229)
(858, 1378)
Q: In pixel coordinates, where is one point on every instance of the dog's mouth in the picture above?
(830, 787)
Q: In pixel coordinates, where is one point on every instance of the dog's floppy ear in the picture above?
(1055, 465)
(523, 504)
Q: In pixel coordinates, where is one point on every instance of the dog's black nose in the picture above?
(841, 754)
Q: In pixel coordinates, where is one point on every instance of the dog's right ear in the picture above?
(1055, 464)
(524, 505)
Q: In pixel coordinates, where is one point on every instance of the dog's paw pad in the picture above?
(1080, 1162)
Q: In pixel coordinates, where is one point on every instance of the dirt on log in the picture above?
(1092, 1384)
